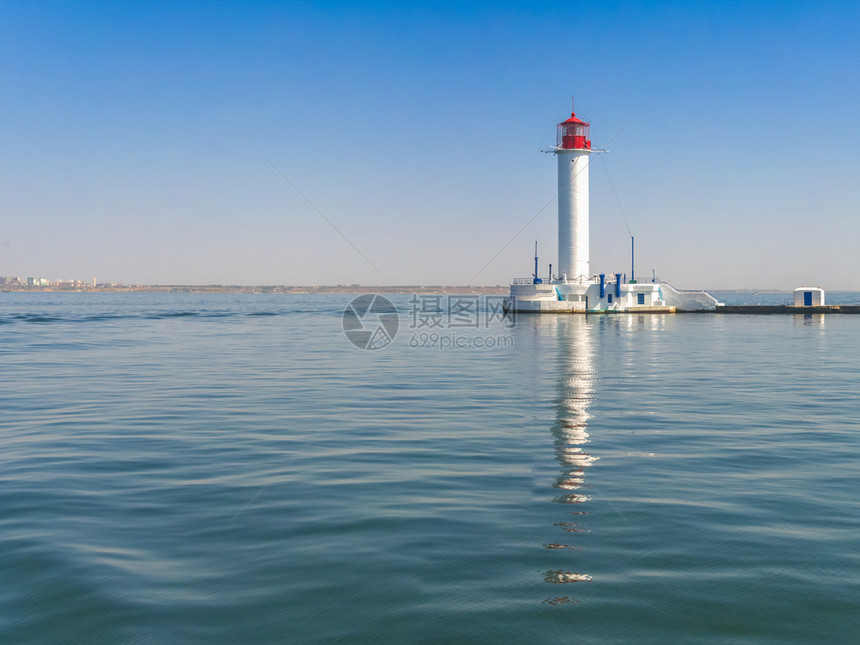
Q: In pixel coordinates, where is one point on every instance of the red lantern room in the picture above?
(573, 134)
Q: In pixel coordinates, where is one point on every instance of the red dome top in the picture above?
(573, 119)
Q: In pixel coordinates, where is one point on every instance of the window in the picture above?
(641, 298)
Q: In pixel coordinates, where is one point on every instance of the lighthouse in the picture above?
(573, 147)
(577, 288)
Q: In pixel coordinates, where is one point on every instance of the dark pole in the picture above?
(632, 258)
(536, 263)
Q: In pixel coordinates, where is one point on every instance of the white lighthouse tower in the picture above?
(573, 147)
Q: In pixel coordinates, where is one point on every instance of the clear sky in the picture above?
(415, 129)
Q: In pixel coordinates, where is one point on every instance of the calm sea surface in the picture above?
(227, 469)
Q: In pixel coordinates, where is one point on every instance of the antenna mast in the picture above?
(632, 259)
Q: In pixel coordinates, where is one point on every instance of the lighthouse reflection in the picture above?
(574, 396)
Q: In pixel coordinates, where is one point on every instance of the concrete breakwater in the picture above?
(782, 309)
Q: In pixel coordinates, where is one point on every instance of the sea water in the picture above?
(231, 468)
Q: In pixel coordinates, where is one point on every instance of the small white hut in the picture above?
(809, 297)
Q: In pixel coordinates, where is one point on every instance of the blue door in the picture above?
(807, 298)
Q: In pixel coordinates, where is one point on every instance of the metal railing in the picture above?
(659, 281)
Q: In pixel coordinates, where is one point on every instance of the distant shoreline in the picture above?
(339, 289)
(310, 290)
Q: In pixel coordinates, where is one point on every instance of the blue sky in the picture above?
(416, 131)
